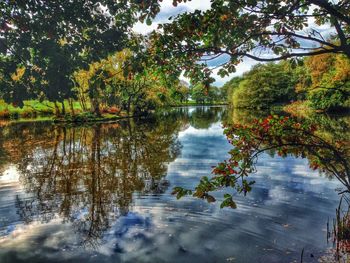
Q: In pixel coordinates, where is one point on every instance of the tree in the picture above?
(199, 94)
(52, 39)
(114, 82)
(228, 88)
(264, 85)
(329, 87)
(261, 30)
(180, 91)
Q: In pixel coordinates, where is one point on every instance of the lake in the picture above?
(102, 193)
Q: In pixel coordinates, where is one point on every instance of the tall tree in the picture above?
(52, 39)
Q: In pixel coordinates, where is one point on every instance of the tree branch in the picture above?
(331, 10)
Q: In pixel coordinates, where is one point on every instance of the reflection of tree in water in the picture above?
(87, 175)
(326, 145)
(203, 117)
(323, 140)
(275, 135)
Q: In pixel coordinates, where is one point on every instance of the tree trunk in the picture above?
(63, 108)
(71, 106)
(57, 110)
(95, 107)
(82, 102)
(128, 106)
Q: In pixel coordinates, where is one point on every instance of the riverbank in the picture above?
(33, 111)
(303, 109)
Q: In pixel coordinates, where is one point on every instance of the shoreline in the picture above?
(103, 118)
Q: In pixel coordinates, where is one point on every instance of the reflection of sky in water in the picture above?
(286, 211)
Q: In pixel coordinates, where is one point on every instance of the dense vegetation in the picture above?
(83, 56)
(323, 81)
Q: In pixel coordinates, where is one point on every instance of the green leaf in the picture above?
(148, 21)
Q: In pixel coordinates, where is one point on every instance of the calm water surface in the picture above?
(102, 193)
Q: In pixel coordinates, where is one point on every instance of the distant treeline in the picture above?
(322, 82)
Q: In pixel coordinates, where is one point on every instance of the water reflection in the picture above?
(87, 175)
(109, 186)
(323, 140)
(317, 139)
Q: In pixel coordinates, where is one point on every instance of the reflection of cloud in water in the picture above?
(10, 176)
(214, 130)
(285, 212)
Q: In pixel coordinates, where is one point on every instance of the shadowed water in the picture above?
(102, 193)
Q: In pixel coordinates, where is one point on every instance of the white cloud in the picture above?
(167, 10)
(214, 130)
(243, 67)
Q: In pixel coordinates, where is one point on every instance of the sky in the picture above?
(168, 10)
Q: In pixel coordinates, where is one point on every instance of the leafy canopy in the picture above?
(49, 40)
(261, 30)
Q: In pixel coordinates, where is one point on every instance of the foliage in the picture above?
(229, 87)
(255, 29)
(203, 95)
(263, 86)
(47, 41)
(323, 81)
(108, 83)
(44, 45)
(330, 81)
(180, 92)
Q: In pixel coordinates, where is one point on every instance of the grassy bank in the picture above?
(299, 109)
(303, 109)
(33, 109)
(45, 111)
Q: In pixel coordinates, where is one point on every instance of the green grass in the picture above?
(33, 109)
